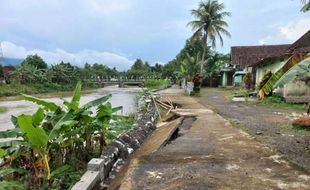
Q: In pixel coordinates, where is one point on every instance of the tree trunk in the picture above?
(205, 40)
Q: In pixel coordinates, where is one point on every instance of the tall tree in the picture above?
(306, 7)
(210, 24)
(1, 71)
(35, 61)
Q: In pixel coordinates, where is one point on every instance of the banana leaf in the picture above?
(97, 102)
(36, 135)
(11, 133)
(77, 94)
(299, 70)
(5, 185)
(9, 170)
(293, 60)
(46, 105)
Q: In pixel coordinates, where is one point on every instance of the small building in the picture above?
(244, 58)
(297, 90)
(227, 74)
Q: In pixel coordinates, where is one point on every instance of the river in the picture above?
(120, 97)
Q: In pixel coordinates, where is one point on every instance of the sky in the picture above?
(116, 32)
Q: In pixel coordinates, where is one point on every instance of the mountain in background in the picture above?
(12, 61)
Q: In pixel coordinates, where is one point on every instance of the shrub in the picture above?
(248, 80)
(156, 84)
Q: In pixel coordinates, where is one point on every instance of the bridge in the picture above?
(120, 83)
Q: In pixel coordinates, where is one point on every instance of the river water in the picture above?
(120, 97)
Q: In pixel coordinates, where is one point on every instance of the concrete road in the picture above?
(210, 154)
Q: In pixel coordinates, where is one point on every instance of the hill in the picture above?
(12, 61)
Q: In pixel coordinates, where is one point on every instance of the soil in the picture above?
(268, 125)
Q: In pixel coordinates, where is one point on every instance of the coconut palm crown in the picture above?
(210, 22)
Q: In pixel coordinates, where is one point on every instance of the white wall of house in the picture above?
(262, 70)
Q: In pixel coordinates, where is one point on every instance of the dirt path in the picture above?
(212, 154)
(270, 126)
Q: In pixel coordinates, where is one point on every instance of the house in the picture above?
(227, 75)
(273, 58)
(243, 58)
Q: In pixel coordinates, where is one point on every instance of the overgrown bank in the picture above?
(47, 145)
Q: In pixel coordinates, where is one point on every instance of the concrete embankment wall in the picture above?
(117, 152)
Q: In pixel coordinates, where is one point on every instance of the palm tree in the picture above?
(209, 24)
(306, 6)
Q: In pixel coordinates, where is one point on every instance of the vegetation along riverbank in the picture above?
(44, 148)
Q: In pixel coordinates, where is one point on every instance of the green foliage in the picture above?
(266, 77)
(278, 102)
(49, 143)
(306, 7)
(35, 61)
(248, 80)
(11, 185)
(3, 109)
(1, 71)
(210, 21)
(297, 71)
(293, 60)
(156, 84)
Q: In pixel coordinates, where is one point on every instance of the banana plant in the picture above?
(293, 60)
(299, 70)
(54, 133)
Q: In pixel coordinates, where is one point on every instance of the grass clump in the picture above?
(277, 101)
(3, 109)
(156, 84)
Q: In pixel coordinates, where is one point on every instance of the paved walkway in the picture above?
(212, 154)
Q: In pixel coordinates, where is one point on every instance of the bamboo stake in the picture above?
(160, 119)
(164, 103)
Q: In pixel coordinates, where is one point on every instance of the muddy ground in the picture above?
(271, 126)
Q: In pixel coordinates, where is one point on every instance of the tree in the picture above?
(209, 24)
(138, 65)
(1, 71)
(36, 61)
(28, 73)
(306, 7)
(64, 73)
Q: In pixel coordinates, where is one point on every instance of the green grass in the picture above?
(300, 130)
(156, 84)
(3, 109)
(276, 101)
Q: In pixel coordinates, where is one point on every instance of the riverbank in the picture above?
(267, 124)
(208, 153)
(14, 89)
(15, 105)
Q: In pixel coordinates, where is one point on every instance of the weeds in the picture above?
(156, 84)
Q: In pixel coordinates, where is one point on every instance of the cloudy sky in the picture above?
(116, 32)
